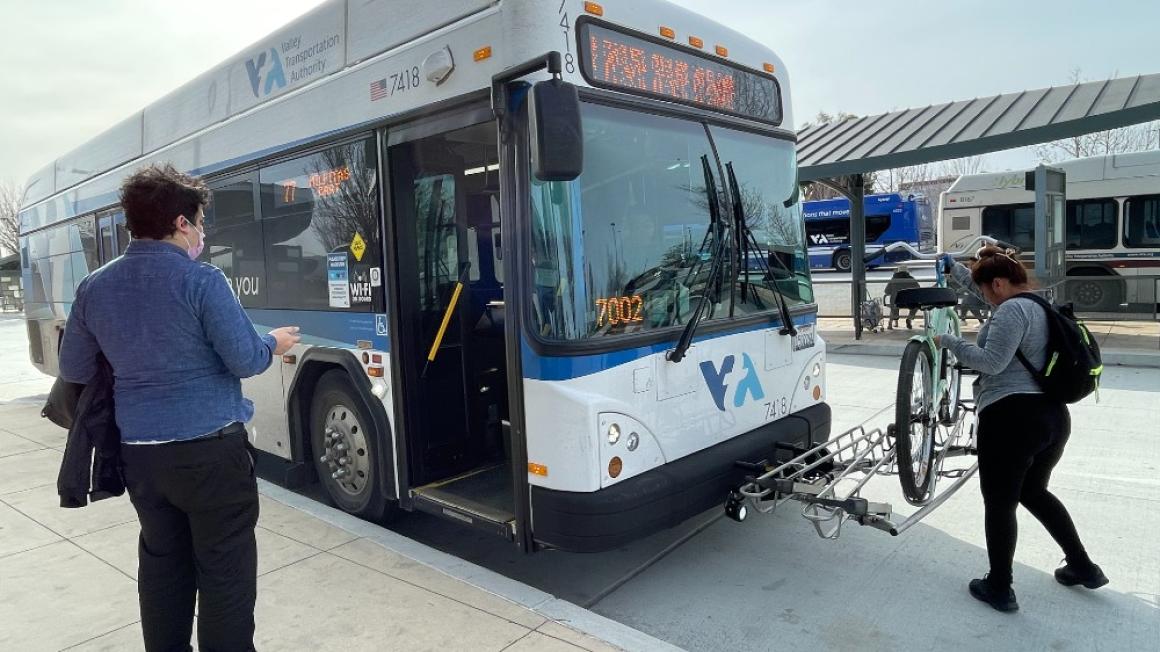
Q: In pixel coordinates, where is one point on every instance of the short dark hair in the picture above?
(155, 195)
(996, 263)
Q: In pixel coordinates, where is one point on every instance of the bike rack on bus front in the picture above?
(828, 479)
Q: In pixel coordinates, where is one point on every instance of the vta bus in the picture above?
(889, 218)
(518, 289)
(1112, 224)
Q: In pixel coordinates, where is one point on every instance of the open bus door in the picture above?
(450, 352)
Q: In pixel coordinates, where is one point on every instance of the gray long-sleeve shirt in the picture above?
(1016, 325)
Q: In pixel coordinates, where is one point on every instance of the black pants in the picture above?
(198, 505)
(1021, 438)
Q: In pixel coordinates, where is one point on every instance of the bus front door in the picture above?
(450, 347)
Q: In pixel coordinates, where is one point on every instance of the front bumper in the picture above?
(665, 496)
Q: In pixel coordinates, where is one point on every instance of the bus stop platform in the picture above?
(1122, 343)
(326, 580)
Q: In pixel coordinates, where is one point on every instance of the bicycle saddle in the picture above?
(926, 298)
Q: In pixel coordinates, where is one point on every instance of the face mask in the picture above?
(195, 250)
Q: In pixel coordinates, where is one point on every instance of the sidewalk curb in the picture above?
(540, 602)
(1111, 357)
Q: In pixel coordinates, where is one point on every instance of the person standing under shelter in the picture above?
(179, 343)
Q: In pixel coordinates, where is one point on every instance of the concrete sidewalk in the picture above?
(1122, 343)
(327, 581)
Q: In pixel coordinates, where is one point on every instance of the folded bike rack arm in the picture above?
(828, 480)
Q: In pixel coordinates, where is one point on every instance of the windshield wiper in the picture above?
(749, 243)
(716, 227)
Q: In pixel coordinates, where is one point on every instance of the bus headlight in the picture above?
(817, 368)
(613, 433)
(633, 441)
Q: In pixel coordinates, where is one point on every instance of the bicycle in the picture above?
(929, 388)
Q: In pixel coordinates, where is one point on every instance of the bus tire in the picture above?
(342, 439)
(842, 260)
(1095, 295)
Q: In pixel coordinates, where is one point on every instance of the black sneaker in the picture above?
(1090, 576)
(1000, 600)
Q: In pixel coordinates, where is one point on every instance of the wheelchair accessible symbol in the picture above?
(380, 324)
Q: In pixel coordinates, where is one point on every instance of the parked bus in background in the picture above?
(1112, 224)
(889, 218)
(546, 339)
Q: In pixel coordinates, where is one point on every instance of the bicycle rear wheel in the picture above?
(914, 423)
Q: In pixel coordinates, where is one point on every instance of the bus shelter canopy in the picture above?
(972, 127)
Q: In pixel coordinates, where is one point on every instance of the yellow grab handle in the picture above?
(446, 320)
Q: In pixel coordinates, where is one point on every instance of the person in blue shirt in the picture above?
(179, 344)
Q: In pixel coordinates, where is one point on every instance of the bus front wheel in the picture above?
(342, 441)
(842, 260)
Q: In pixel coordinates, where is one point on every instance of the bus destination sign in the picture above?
(618, 61)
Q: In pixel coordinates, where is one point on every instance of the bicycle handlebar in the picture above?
(965, 252)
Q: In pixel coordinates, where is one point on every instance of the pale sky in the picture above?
(75, 67)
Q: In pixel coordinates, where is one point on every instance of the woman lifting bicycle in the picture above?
(1021, 431)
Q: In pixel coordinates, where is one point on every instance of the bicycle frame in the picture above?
(938, 321)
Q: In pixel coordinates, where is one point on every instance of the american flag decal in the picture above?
(378, 90)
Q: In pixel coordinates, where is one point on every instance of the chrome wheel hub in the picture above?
(345, 451)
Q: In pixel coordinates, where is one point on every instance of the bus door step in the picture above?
(827, 480)
(467, 512)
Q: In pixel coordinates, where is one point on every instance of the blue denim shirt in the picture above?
(177, 338)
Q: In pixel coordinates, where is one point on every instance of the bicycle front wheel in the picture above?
(914, 423)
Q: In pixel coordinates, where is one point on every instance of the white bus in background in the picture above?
(1112, 224)
(483, 338)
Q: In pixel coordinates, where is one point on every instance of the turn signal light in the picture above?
(696, 42)
(615, 466)
(482, 53)
(817, 392)
(375, 372)
(537, 469)
(594, 8)
(668, 32)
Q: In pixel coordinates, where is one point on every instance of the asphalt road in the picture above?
(771, 582)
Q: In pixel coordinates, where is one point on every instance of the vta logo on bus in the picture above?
(274, 77)
(750, 385)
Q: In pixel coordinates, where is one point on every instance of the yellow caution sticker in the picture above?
(358, 247)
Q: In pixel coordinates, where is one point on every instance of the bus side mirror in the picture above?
(557, 139)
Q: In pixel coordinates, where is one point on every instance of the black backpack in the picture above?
(1073, 358)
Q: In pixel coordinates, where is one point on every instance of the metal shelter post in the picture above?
(1050, 186)
(857, 198)
(853, 188)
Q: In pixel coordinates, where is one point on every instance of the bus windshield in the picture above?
(627, 246)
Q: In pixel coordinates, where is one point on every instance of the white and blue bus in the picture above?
(520, 297)
(889, 218)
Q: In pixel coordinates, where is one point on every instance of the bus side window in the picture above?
(320, 211)
(1142, 221)
(233, 239)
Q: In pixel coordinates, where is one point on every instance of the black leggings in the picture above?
(1021, 438)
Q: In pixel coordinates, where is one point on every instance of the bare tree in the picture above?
(891, 180)
(1136, 138)
(957, 167)
(10, 196)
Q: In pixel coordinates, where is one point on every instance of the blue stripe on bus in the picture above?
(538, 367)
(321, 328)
